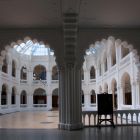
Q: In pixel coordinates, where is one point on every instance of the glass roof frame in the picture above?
(35, 49)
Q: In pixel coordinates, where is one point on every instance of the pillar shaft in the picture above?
(70, 105)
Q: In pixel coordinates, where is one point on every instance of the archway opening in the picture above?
(5, 65)
(23, 73)
(13, 68)
(23, 98)
(55, 73)
(83, 98)
(92, 73)
(4, 95)
(13, 96)
(127, 94)
(39, 72)
(55, 99)
(39, 96)
(92, 97)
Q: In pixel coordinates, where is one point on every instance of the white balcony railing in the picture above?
(23, 105)
(13, 106)
(23, 81)
(121, 117)
(54, 81)
(4, 106)
(40, 82)
(40, 105)
(92, 80)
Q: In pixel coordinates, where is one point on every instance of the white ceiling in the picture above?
(49, 13)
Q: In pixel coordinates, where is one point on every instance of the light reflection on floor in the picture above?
(32, 119)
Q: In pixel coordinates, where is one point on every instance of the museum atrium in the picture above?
(29, 76)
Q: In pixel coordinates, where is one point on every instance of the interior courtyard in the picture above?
(57, 56)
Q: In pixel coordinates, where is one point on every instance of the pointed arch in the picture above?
(39, 72)
(23, 97)
(23, 73)
(105, 64)
(127, 93)
(4, 94)
(92, 73)
(39, 96)
(113, 56)
(54, 73)
(83, 98)
(13, 96)
(92, 97)
(124, 49)
(13, 68)
(5, 65)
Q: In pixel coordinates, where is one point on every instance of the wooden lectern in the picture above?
(105, 107)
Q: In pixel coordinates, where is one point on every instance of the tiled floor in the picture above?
(34, 126)
(30, 120)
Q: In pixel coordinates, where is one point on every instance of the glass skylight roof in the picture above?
(93, 49)
(30, 48)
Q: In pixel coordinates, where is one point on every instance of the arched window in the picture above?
(23, 73)
(55, 100)
(113, 57)
(83, 100)
(92, 73)
(23, 97)
(105, 65)
(93, 97)
(39, 73)
(4, 95)
(13, 96)
(54, 73)
(5, 66)
(39, 96)
(124, 51)
(127, 95)
(13, 68)
(82, 74)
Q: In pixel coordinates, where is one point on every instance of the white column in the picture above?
(49, 102)
(137, 94)
(30, 101)
(30, 76)
(70, 78)
(120, 97)
(70, 98)
(18, 101)
(62, 96)
(109, 61)
(18, 75)
(49, 77)
(9, 100)
(86, 76)
(87, 101)
(133, 93)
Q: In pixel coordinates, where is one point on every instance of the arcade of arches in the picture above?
(29, 77)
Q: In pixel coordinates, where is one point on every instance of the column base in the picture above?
(63, 126)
